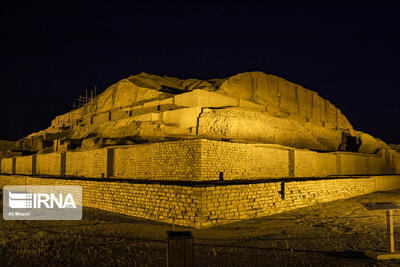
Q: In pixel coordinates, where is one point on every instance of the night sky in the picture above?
(51, 54)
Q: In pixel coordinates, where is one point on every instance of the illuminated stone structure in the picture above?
(248, 107)
(199, 153)
(202, 160)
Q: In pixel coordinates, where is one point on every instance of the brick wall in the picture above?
(159, 161)
(375, 165)
(313, 164)
(351, 164)
(7, 165)
(397, 162)
(201, 159)
(23, 165)
(167, 203)
(48, 164)
(242, 161)
(223, 204)
(91, 163)
(393, 161)
(206, 205)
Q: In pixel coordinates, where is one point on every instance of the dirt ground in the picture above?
(327, 234)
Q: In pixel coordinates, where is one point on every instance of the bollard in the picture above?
(389, 207)
(389, 220)
(180, 249)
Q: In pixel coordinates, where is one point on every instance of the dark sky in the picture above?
(51, 54)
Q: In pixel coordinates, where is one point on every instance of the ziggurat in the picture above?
(204, 152)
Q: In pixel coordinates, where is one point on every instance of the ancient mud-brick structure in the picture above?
(199, 153)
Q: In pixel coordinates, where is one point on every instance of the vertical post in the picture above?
(389, 215)
(34, 164)
(282, 191)
(110, 163)
(221, 176)
(63, 163)
(291, 163)
(180, 249)
(338, 164)
(14, 165)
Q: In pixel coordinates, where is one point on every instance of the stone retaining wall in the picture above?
(49, 164)
(242, 161)
(201, 206)
(23, 165)
(91, 163)
(159, 161)
(203, 160)
(7, 165)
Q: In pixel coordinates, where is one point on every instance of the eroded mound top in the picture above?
(247, 107)
(258, 87)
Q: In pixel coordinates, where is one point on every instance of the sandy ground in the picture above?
(328, 234)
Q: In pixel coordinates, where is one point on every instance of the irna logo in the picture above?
(40, 200)
(31, 202)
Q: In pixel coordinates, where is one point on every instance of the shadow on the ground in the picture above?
(348, 254)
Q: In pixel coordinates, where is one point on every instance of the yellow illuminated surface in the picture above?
(215, 156)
